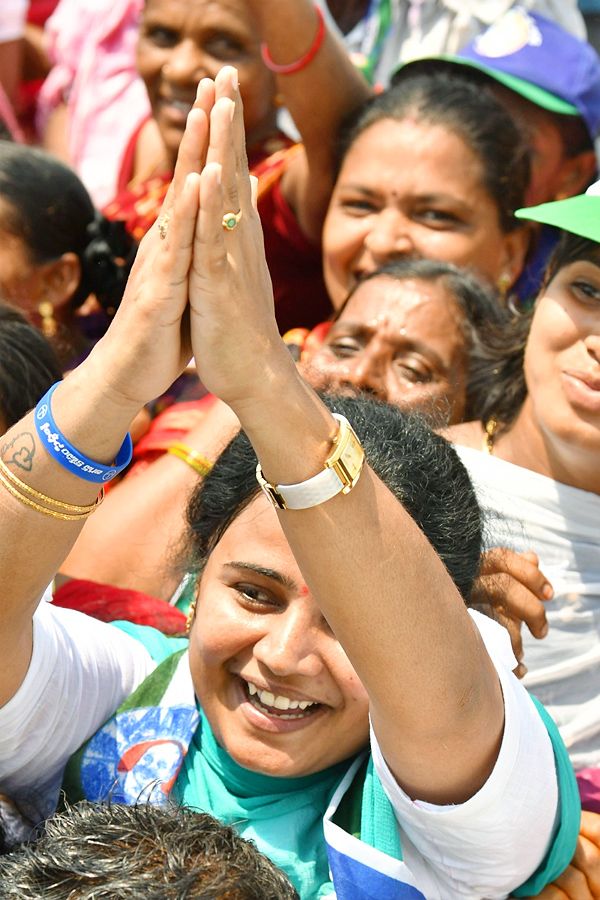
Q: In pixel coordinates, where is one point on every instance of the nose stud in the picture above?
(165, 70)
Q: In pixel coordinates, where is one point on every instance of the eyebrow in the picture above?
(273, 574)
(355, 328)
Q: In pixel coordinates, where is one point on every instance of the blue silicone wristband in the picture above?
(67, 455)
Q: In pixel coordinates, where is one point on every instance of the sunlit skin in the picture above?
(557, 430)
(559, 423)
(412, 189)
(553, 175)
(183, 41)
(401, 341)
(256, 622)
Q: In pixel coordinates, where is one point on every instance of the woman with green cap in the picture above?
(534, 458)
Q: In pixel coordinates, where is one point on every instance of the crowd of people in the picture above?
(299, 482)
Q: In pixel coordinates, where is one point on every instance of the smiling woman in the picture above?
(180, 43)
(333, 551)
(538, 402)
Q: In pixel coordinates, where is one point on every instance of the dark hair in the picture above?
(420, 468)
(478, 303)
(470, 111)
(112, 852)
(498, 379)
(28, 366)
(49, 209)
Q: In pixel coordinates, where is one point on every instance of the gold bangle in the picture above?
(194, 459)
(68, 517)
(71, 507)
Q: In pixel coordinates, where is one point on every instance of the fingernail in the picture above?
(548, 591)
(544, 630)
(232, 113)
(234, 80)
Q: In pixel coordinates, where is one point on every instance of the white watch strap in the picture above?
(313, 491)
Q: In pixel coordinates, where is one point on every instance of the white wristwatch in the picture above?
(342, 470)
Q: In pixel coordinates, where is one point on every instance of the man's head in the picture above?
(549, 81)
(97, 852)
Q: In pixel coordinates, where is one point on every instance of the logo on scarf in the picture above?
(138, 754)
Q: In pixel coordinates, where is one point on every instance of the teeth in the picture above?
(278, 702)
(267, 698)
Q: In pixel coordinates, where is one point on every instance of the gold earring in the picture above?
(49, 324)
(503, 283)
(190, 616)
(278, 100)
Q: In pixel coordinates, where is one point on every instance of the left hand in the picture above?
(581, 879)
(516, 587)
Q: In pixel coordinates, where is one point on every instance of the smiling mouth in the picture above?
(279, 706)
(181, 107)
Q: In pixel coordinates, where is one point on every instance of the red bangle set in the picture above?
(299, 64)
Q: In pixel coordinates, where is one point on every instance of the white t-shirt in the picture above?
(528, 511)
(494, 841)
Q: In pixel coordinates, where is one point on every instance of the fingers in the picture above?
(590, 827)
(554, 892)
(574, 884)
(514, 585)
(221, 151)
(522, 566)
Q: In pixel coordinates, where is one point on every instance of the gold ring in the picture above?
(230, 220)
(162, 224)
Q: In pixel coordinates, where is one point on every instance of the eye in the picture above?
(438, 218)
(343, 347)
(225, 46)
(161, 35)
(358, 204)
(254, 597)
(414, 370)
(585, 292)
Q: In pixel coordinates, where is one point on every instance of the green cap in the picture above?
(533, 92)
(579, 215)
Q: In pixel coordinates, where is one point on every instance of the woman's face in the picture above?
(562, 357)
(403, 342)
(278, 690)
(20, 279)
(412, 189)
(183, 41)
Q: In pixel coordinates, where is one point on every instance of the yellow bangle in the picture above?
(26, 488)
(68, 517)
(194, 459)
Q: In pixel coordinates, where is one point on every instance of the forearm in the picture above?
(388, 599)
(318, 97)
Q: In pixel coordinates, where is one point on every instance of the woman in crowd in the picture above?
(433, 170)
(28, 367)
(56, 250)
(406, 334)
(443, 159)
(534, 457)
(455, 738)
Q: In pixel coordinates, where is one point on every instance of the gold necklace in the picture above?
(491, 427)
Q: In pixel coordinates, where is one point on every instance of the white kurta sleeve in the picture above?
(498, 838)
(81, 670)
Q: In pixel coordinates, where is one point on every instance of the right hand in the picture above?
(515, 586)
(148, 344)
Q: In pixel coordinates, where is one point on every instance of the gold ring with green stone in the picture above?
(230, 220)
